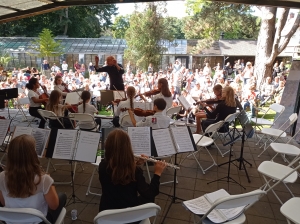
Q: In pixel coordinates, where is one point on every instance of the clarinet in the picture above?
(154, 161)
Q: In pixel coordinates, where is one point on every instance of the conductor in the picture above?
(114, 70)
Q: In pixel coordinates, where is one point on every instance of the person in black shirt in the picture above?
(114, 70)
(121, 177)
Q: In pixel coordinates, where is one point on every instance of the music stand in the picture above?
(2, 103)
(107, 96)
(9, 94)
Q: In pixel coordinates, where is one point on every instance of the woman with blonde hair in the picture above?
(121, 177)
(224, 108)
(23, 184)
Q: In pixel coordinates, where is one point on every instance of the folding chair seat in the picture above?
(273, 134)
(27, 215)
(290, 209)
(203, 141)
(96, 165)
(128, 215)
(279, 173)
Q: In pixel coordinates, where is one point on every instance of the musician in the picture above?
(130, 92)
(34, 101)
(165, 93)
(58, 85)
(87, 108)
(114, 70)
(206, 113)
(24, 184)
(54, 105)
(226, 107)
(122, 178)
(157, 121)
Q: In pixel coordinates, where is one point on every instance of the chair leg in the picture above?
(90, 183)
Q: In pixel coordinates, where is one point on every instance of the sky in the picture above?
(174, 8)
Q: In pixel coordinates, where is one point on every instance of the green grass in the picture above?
(104, 112)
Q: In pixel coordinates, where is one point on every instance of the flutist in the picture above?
(121, 177)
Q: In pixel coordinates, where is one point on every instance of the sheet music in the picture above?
(119, 94)
(22, 131)
(41, 137)
(184, 102)
(140, 140)
(72, 98)
(198, 206)
(65, 143)
(4, 124)
(163, 142)
(182, 139)
(87, 146)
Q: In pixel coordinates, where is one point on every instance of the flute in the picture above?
(154, 161)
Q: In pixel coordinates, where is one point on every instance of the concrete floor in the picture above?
(192, 183)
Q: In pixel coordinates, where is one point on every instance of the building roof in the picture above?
(238, 47)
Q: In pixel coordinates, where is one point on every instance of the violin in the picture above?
(208, 101)
(117, 101)
(140, 112)
(150, 93)
(66, 90)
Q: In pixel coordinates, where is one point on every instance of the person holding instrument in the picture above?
(156, 121)
(34, 100)
(23, 184)
(60, 86)
(128, 103)
(121, 177)
(207, 108)
(114, 70)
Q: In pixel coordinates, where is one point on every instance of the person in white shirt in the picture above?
(60, 86)
(87, 108)
(34, 101)
(127, 104)
(54, 68)
(64, 67)
(157, 121)
(165, 93)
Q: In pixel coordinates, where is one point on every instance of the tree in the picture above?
(75, 21)
(146, 34)
(208, 20)
(274, 35)
(120, 26)
(46, 45)
(5, 58)
(175, 27)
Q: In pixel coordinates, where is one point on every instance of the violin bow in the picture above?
(118, 92)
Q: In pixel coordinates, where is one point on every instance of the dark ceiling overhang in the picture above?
(13, 10)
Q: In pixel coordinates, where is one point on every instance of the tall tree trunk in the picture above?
(67, 23)
(265, 44)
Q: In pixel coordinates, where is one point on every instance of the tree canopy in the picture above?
(76, 21)
(120, 26)
(145, 35)
(207, 20)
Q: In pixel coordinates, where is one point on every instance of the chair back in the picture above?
(22, 215)
(125, 121)
(173, 110)
(127, 215)
(214, 127)
(22, 101)
(293, 118)
(277, 108)
(81, 117)
(48, 114)
(231, 117)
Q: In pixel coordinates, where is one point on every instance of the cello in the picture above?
(45, 95)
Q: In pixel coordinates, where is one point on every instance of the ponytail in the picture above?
(130, 95)
(85, 96)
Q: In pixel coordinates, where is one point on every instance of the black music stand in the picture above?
(8, 94)
(234, 135)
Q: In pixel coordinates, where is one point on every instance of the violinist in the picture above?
(156, 121)
(207, 113)
(59, 86)
(165, 93)
(128, 103)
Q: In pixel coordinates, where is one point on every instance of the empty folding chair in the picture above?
(203, 141)
(280, 174)
(273, 134)
(27, 215)
(290, 209)
(128, 215)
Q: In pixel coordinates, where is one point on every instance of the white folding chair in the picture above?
(27, 215)
(233, 201)
(203, 141)
(96, 165)
(173, 110)
(82, 119)
(125, 121)
(273, 134)
(290, 209)
(127, 215)
(49, 115)
(228, 120)
(21, 102)
(263, 121)
(279, 173)
(284, 149)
